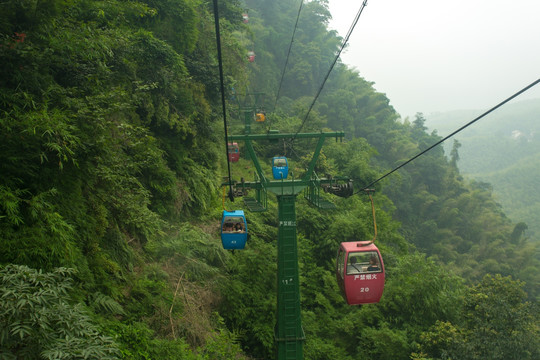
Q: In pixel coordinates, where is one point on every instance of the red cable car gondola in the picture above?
(360, 272)
(360, 269)
(251, 56)
(233, 152)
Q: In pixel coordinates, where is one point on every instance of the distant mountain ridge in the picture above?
(502, 149)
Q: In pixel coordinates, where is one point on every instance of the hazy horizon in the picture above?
(430, 56)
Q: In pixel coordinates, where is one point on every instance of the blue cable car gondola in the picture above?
(234, 232)
(280, 167)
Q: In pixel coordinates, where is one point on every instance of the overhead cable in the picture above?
(288, 53)
(452, 134)
(357, 17)
(222, 89)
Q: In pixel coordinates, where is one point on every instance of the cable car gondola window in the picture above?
(233, 225)
(363, 262)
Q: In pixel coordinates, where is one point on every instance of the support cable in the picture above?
(449, 136)
(357, 17)
(288, 53)
(222, 89)
(369, 191)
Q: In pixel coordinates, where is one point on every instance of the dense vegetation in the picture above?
(111, 159)
(503, 150)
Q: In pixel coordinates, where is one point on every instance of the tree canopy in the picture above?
(112, 158)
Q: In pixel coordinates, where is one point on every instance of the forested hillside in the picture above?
(112, 157)
(503, 150)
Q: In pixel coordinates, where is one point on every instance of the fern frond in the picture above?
(103, 303)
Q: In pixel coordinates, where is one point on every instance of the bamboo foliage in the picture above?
(41, 321)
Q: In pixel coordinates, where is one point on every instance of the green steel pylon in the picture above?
(289, 334)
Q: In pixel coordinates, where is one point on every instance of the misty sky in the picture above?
(434, 55)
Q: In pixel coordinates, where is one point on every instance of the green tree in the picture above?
(40, 321)
(496, 322)
(454, 154)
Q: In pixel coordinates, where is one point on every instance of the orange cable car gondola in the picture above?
(260, 116)
(360, 270)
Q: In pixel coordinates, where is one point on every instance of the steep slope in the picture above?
(112, 157)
